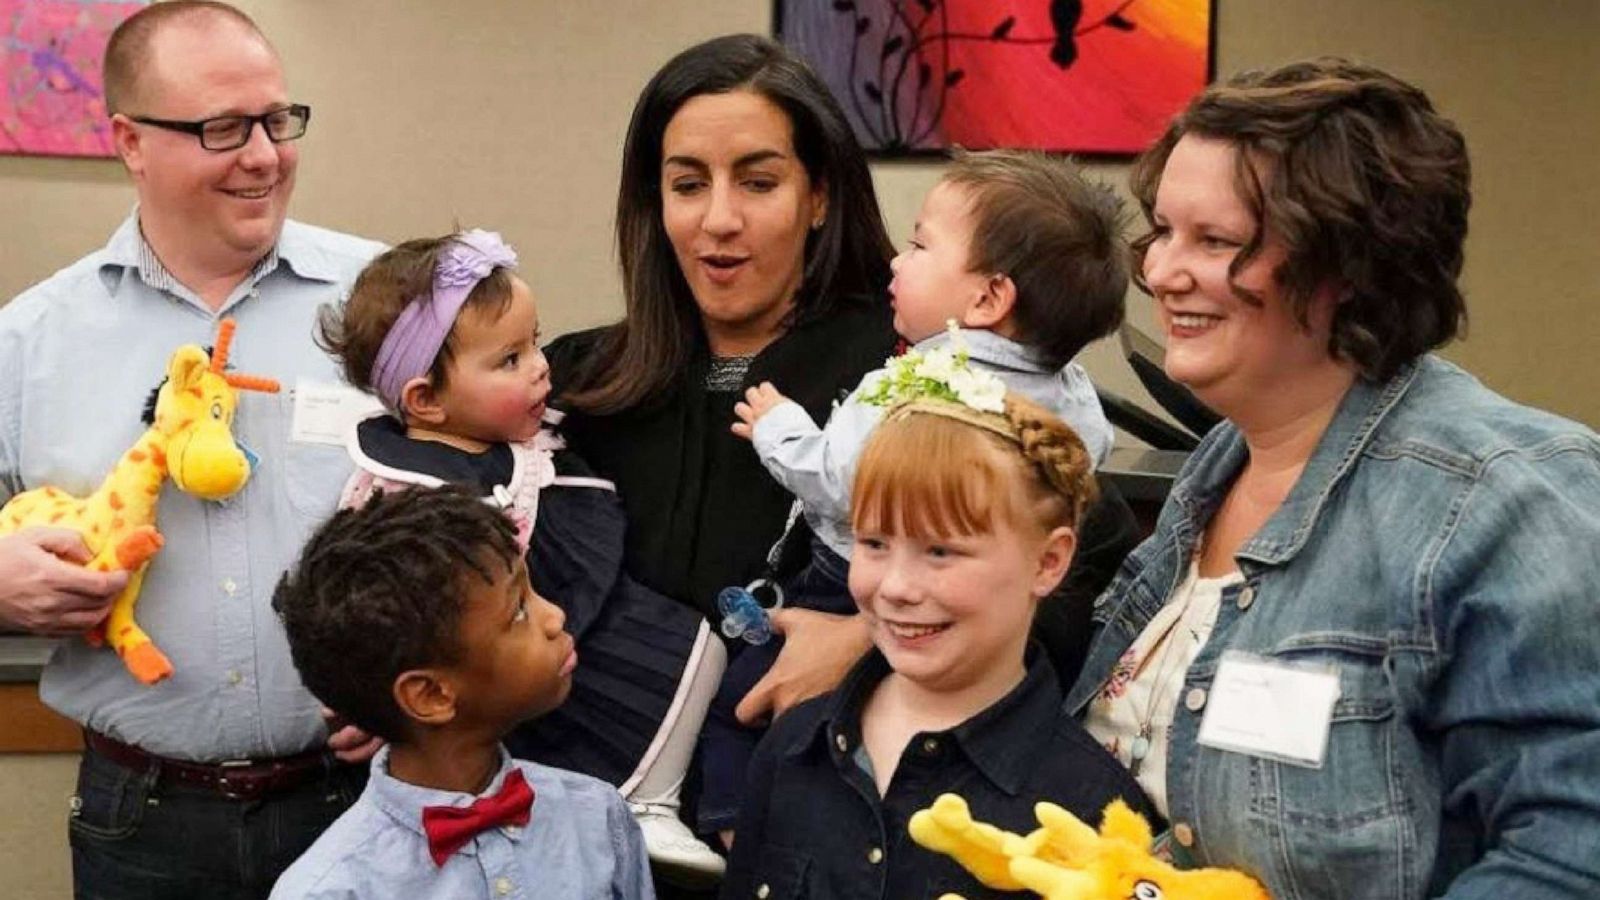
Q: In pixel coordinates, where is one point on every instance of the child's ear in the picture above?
(421, 402)
(425, 696)
(993, 307)
(1054, 560)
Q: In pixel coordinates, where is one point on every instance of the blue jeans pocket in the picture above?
(110, 800)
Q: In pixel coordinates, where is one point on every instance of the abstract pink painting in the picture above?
(51, 101)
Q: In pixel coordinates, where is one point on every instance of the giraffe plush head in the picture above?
(1065, 859)
(194, 410)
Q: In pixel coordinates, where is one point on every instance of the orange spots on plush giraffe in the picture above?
(117, 521)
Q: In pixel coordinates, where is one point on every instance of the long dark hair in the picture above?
(848, 257)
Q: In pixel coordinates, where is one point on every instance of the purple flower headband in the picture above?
(414, 341)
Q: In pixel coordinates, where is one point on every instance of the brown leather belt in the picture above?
(241, 780)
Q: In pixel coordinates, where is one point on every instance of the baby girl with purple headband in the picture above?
(447, 336)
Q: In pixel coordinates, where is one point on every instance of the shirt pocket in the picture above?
(781, 874)
(1350, 823)
(313, 474)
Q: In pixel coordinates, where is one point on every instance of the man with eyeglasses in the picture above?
(211, 782)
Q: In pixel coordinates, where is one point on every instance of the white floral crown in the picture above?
(943, 373)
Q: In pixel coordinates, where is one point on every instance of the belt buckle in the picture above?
(228, 787)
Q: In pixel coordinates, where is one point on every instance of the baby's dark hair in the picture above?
(378, 591)
(353, 331)
(1057, 236)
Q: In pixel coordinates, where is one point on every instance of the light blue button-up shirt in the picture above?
(79, 354)
(580, 842)
(818, 465)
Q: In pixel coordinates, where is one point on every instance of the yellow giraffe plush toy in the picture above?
(1065, 859)
(190, 440)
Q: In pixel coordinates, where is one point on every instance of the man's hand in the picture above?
(349, 743)
(44, 587)
(818, 651)
(758, 401)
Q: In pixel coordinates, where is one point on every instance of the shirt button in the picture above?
(763, 892)
(1246, 597)
(930, 746)
(1195, 699)
(1184, 834)
(502, 886)
(229, 587)
(841, 742)
(875, 855)
(234, 677)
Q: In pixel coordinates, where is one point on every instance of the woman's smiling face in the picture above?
(1224, 347)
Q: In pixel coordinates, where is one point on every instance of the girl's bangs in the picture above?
(926, 477)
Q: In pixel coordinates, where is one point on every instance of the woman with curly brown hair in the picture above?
(1359, 655)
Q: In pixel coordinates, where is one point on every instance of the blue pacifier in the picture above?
(743, 616)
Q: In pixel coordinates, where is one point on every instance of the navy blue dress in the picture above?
(633, 643)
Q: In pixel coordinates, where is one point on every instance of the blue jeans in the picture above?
(726, 744)
(137, 837)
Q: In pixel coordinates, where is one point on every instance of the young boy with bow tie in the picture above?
(413, 616)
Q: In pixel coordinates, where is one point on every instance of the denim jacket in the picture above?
(1442, 550)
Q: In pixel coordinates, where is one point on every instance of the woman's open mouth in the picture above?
(722, 268)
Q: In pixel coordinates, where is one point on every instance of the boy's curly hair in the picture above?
(378, 591)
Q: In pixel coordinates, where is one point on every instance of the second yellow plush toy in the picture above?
(190, 440)
(1065, 859)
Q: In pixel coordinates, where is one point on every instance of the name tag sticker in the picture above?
(325, 413)
(1270, 709)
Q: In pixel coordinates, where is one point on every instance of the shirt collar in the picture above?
(129, 251)
(991, 349)
(403, 802)
(1003, 742)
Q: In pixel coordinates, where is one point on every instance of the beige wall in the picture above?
(511, 115)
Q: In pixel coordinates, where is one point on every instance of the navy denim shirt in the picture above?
(1442, 550)
(813, 824)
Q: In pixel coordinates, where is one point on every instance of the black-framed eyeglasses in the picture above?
(232, 132)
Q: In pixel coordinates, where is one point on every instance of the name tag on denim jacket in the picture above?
(325, 413)
(1270, 709)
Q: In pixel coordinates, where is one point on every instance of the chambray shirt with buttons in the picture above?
(79, 354)
(580, 843)
(1441, 552)
(814, 825)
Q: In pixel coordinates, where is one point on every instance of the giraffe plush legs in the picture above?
(144, 661)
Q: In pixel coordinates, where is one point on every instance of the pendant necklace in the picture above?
(1143, 741)
(1141, 746)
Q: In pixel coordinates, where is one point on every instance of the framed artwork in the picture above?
(1093, 77)
(51, 101)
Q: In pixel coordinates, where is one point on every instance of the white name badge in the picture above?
(325, 413)
(1270, 709)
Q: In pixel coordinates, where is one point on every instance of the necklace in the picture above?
(1140, 748)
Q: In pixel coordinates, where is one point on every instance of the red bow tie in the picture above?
(450, 827)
